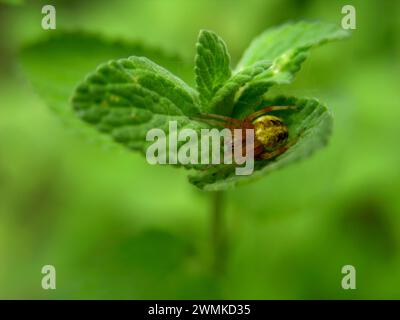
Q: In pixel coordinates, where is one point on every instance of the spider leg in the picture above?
(232, 122)
(241, 137)
(229, 120)
(279, 151)
(215, 122)
(257, 146)
(250, 118)
(273, 154)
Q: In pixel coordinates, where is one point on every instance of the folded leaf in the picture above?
(212, 65)
(309, 129)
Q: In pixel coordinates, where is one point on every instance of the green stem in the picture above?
(218, 232)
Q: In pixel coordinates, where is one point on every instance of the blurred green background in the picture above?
(116, 227)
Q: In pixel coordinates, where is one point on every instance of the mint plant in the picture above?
(125, 98)
(135, 88)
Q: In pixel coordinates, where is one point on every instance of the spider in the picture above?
(270, 133)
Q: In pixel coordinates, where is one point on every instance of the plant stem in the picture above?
(218, 232)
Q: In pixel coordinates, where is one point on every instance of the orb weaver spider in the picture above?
(270, 133)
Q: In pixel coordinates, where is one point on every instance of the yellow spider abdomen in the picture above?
(270, 131)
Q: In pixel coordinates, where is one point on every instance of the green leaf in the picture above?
(55, 65)
(273, 58)
(127, 97)
(212, 65)
(309, 129)
(224, 99)
(283, 43)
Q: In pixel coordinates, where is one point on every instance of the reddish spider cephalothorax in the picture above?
(270, 133)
